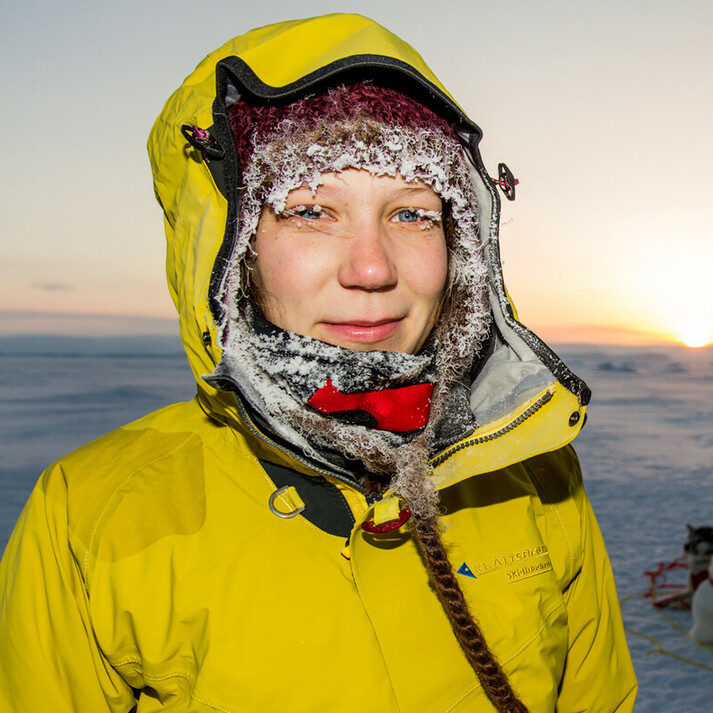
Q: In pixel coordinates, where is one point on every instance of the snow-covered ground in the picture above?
(646, 451)
(647, 455)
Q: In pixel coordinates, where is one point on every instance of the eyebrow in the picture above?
(413, 190)
(328, 190)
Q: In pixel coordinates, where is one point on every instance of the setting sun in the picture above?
(696, 335)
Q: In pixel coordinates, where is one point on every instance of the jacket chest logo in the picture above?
(518, 565)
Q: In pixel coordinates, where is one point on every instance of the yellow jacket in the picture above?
(155, 559)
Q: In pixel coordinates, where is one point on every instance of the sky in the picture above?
(601, 109)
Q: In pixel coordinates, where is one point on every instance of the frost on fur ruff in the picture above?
(291, 158)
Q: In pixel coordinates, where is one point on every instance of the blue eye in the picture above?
(407, 216)
(310, 212)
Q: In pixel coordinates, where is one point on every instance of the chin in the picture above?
(368, 346)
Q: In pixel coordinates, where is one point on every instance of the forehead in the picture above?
(365, 184)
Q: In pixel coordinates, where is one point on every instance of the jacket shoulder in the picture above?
(147, 474)
(103, 462)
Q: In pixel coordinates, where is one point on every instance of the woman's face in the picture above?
(360, 263)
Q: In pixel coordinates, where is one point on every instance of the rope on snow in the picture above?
(658, 581)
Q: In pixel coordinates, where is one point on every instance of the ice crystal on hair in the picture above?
(434, 215)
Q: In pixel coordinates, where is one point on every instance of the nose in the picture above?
(368, 263)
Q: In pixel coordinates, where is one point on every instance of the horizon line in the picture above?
(16, 323)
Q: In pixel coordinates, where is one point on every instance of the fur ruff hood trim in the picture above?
(525, 400)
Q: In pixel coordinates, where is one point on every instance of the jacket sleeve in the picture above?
(598, 676)
(49, 658)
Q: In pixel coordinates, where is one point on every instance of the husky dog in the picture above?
(699, 552)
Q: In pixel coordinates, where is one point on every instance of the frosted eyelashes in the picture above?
(306, 214)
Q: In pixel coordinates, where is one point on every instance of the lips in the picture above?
(363, 331)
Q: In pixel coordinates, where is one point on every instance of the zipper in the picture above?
(370, 497)
(529, 411)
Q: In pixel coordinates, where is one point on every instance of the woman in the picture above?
(371, 503)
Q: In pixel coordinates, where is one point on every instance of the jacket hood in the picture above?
(195, 180)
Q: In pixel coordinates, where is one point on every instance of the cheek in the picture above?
(429, 270)
(288, 272)
(267, 267)
(277, 276)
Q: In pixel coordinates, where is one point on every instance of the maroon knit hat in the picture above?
(253, 123)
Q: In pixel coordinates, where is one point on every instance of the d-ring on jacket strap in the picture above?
(324, 505)
(286, 497)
